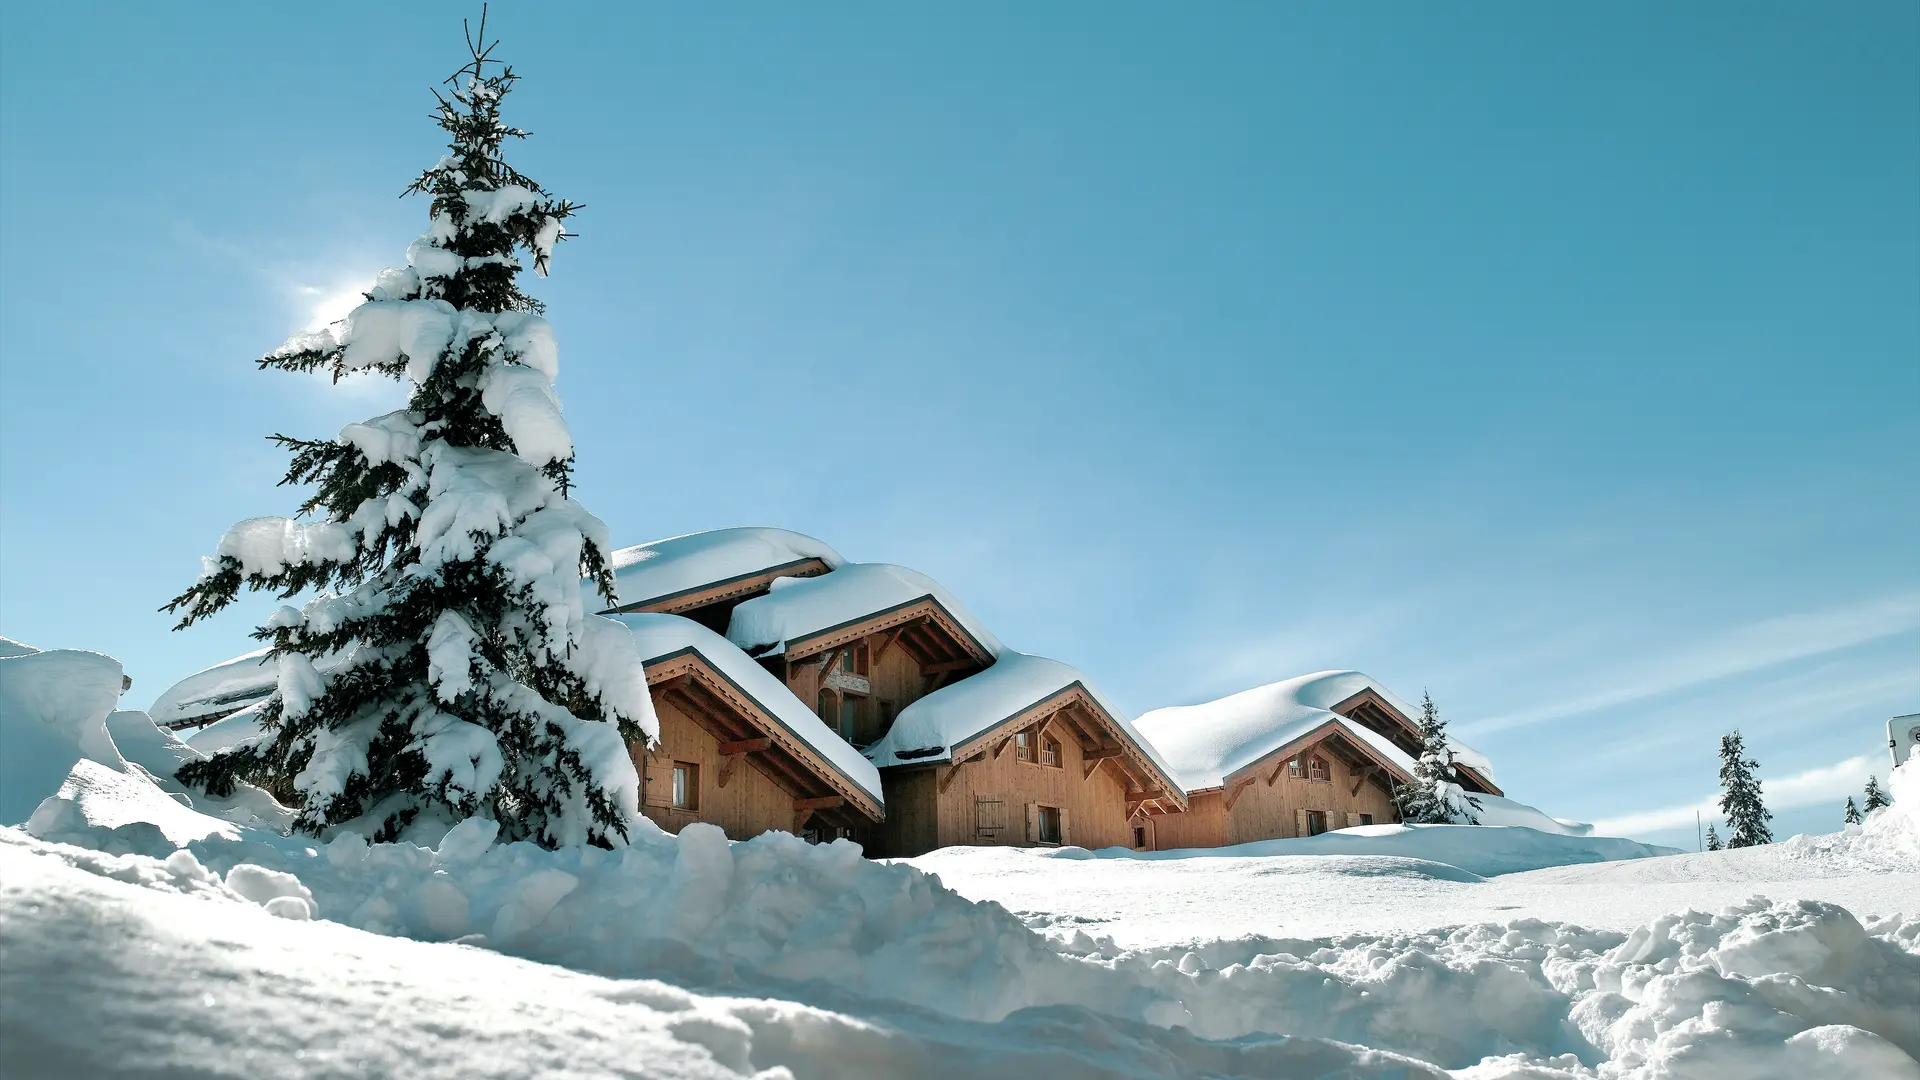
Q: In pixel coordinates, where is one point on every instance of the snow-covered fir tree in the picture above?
(1853, 812)
(1434, 796)
(1876, 795)
(446, 556)
(1713, 839)
(1740, 801)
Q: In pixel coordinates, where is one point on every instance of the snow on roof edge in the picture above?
(657, 569)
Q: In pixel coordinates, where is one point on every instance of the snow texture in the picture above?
(657, 637)
(53, 713)
(926, 731)
(229, 685)
(678, 564)
(800, 607)
(1208, 742)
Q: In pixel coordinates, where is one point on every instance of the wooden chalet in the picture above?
(704, 576)
(1024, 753)
(737, 750)
(1294, 758)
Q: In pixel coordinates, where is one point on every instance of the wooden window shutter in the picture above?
(1033, 823)
(659, 785)
(1066, 827)
(1353, 819)
(1300, 822)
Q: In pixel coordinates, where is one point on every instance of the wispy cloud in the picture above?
(1823, 784)
(1752, 647)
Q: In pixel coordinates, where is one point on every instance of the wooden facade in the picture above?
(1061, 772)
(858, 676)
(1326, 779)
(724, 758)
(1376, 713)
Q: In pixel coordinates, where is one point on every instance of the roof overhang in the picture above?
(733, 716)
(743, 587)
(1371, 708)
(1340, 742)
(1076, 712)
(924, 625)
(1475, 780)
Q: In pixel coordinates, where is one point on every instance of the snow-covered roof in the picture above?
(926, 731)
(1208, 742)
(799, 608)
(649, 572)
(660, 636)
(224, 687)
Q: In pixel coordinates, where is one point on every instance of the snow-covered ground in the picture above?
(147, 931)
(1378, 880)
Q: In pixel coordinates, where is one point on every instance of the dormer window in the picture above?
(1050, 752)
(1022, 746)
(1293, 769)
(853, 660)
(1317, 770)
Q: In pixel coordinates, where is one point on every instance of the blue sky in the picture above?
(1564, 362)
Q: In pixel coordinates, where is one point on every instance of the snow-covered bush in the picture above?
(444, 547)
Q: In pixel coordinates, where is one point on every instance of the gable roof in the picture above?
(801, 615)
(749, 688)
(683, 572)
(1208, 742)
(951, 723)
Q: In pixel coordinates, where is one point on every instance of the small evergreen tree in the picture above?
(465, 676)
(1713, 838)
(1877, 796)
(1740, 801)
(1853, 812)
(1434, 796)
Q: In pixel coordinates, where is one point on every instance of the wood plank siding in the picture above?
(741, 769)
(1337, 783)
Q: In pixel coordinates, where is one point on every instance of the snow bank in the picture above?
(680, 564)
(657, 637)
(53, 713)
(1208, 742)
(1481, 850)
(1496, 810)
(928, 730)
(800, 607)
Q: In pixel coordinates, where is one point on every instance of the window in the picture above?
(1049, 825)
(1022, 746)
(1293, 769)
(849, 716)
(853, 659)
(1317, 770)
(1366, 819)
(1050, 752)
(1139, 838)
(686, 786)
(1316, 822)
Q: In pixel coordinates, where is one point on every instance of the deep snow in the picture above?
(133, 945)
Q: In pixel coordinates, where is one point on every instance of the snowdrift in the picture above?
(897, 968)
(1480, 850)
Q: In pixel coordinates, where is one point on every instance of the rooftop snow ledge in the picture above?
(798, 608)
(663, 568)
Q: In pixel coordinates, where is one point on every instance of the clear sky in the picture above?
(1563, 360)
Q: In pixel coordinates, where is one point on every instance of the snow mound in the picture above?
(663, 568)
(798, 608)
(1208, 742)
(228, 686)
(1481, 850)
(53, 713)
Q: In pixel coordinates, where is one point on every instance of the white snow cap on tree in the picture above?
(444, 548)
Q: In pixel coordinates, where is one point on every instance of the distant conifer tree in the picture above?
(461, 673)
(1853, 812)
(1713, 838)
(1877, 796)
(1740, 801)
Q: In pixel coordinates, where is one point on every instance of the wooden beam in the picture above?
(824, 802)
(1092, 765)
(1277, 769)
(883, 642)
(826, 665)
(1239, 787)
(947, 667)
(954, 771)
(1104, 753)
(744, 746)
(1360, 776)
(1001, 746)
